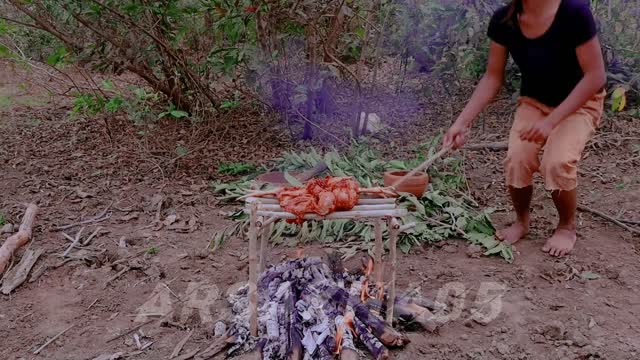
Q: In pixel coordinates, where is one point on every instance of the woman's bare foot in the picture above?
(513, 233)
(560, 243)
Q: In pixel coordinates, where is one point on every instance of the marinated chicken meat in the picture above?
(319, 196)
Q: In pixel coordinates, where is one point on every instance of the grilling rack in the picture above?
(264, 212)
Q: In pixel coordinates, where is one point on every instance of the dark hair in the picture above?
(515, 8)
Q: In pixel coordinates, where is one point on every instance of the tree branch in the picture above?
(34, 26)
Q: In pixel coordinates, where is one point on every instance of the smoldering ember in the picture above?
(312, 309)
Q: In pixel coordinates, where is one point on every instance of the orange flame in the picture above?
(368, 270)
(339, 336)
(380, 291)
(348, 320)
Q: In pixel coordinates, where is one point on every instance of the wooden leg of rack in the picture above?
(253, 270)
(394, 226)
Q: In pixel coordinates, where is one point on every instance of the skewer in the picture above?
(361, 201)
(384, 191)
(338, 215)
(278, 208)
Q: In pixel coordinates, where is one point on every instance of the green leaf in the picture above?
(178, 114)
(107, 85)
(181, 150)
(114, 104)
(292, 180)
(619, 99)
(57, 56)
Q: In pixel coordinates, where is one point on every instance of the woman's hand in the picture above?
(456, 136)
(538, 132)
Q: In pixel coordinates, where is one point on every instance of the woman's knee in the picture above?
(519, 167)
(560, 173)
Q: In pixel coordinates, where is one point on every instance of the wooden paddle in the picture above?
(422, 167)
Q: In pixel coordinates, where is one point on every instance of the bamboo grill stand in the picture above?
(264, 212)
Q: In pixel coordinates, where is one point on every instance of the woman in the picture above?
(554, 43)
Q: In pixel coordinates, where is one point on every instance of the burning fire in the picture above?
(347, 325)
(368, 270)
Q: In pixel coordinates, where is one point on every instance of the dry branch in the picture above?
(19, 274)
(180, 345)
(20, 238)
(52, 340)
(610, 218)
(495, 146)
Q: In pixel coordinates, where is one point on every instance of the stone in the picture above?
(220, 328)
(528, 295)
(464, 337)
(451, 249)
(503, 349)
(7, 229)
(538, 339)
(554, 331)
(474, 251)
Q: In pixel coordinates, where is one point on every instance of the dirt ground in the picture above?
(584, 306)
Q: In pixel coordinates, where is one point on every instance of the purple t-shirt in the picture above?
(549, 64)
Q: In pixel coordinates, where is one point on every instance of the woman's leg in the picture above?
(520, 165)
(562, 153)
(521, 200)
(564, 237)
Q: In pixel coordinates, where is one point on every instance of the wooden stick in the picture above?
(406, 227)
(75, 242)
(394, 226)
(340, 214)
(495, 146)
(88, 241)
(19, 239)
(278, 208)
(51, 340)
(189, 354)
(253, 273)
(264, 244)
(18, 275)
(361, 201)
(378, 250)
(135, 328)
(610, 218)
(269, 221)
(100, 217)
(180, 345)
(422, 167)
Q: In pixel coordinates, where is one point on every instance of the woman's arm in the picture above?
(592, 64)
(485, 92)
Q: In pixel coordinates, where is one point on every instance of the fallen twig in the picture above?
(88, 241)
(20, 238)
(100, 217)
(135, 328)
(189, 355)
(610, 218)
(126, 268)
(76, 240)
(52, 340)
(630, 222)
(93, 303)
(18, 275)
(180, 345)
